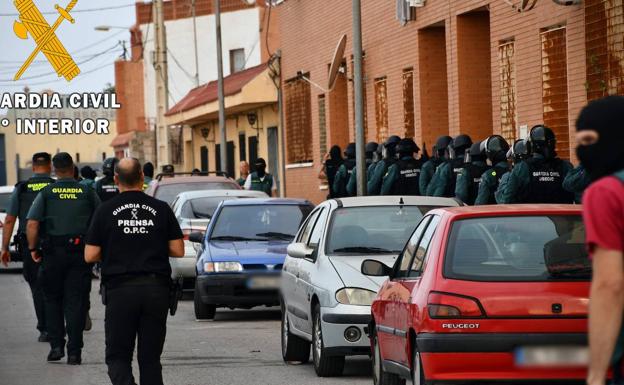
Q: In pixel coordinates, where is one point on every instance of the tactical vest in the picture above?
(497, 172)
(261, 185)
(545, 182)
(457, 165)
(68, 209)
(474, 174)
(349, 165)
(106, 188)
(28, 191)
(409, 173)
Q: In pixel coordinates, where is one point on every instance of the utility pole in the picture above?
(360, 163)
(193, 12)
(223, 134)
(162, 84)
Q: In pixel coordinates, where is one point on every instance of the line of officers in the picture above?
(487, 172)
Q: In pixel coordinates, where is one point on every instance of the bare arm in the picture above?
(176, 248)
(7, 232)
(93, 254)
(605, 311)
(32, 233)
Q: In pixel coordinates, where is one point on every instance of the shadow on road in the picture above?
(270, 314)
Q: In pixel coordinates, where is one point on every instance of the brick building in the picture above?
(475, 66)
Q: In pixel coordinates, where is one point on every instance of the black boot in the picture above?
(43, 337)
(74, 359)
(56, 354)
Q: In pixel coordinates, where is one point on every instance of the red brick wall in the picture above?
(339, 113)
(310, 30)
(129, 87)
(180, 9)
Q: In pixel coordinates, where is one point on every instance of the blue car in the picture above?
(239, 264)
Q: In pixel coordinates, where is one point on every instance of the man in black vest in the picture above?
(344, 172)
(371, 151)
(496, 148)
(402, 177)
(21, 200)
(373, 185)
(260, 180)
(467, 185)
(106, 188)
(445, 177)
(540, 178)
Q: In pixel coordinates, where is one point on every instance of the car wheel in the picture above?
(380, 376)
(294, 348)
(324, 365)
(418, 373)
(202, 311)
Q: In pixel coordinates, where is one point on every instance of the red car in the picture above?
(485, 293)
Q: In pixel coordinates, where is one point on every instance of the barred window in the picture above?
(322, 125)
(555, 87)
(507, 66)
(298, 121)
(408, 103)
(381, 109)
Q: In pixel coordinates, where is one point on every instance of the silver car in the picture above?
(193, 211)
(325, 298)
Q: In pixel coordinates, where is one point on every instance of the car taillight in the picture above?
(186, 231)
(446, 305)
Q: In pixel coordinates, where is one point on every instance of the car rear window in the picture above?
(4, 202)
(203, 208)
(168, 192)
(529, 248)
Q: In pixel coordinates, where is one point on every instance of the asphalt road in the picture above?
(239, 347)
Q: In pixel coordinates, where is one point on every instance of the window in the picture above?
(381, 109)
(242, 147)
(410, 248)
(77, 159)
(203, 154)
(237, 60)
(408, 103)
(297, 99)
(506, 51)
(322, 125)
(317, 232)
(305, 234)
(423, 248)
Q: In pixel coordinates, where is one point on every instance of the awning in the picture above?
(245, 90)
(122, 140)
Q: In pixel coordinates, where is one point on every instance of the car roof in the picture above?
(509, 210)
(221, 193)
(266, 201)
(389, 200)
(193, 179)
(6, 189)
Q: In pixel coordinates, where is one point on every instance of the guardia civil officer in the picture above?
(331, 163)
(539, 179)
(443, 182)
(370, 151)
(21, 199)
(519, 152)
(106, 188)
(430, 166)
(260, 180)
(62, 212)
(373, 186)
(468, 179)
(496, 148)
(577, 182)
(148, 171)
(88, 176)
(133, 235)
(344, 172)
(402, 177)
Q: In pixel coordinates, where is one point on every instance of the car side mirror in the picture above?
(373, 268)
(196, 237)
(299, 250)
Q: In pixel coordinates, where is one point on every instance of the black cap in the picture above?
(41, 157)
(260, 162)
(148, 169)
(88, 173)
(62, 161)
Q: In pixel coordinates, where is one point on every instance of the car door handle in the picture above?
(297, 275)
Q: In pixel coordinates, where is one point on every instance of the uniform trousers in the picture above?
(32, 275)
(136, 312)
(66, 286)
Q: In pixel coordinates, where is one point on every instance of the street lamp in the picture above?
(106, 28)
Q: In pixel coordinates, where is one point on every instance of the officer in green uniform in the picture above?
(106, 188)
(88, 176)
(443, 182)
(244, 173)
(576, 182)
(371, 149)
(62, 212)
(496, 148)
(430, 166)
(21, 199)
(540, 178)
(467, 185)
(373, 186)
(344, 172)
(517, 153)
(402, 177)
(148, 171)
(260, 180)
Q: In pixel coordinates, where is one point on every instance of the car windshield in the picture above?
(372, 230)
(259, 222)
(168, 192)
(203, 208)
(530, 248)
(4, 202)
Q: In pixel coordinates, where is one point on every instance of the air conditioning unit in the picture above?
(416, 3)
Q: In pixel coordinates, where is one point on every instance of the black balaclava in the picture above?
(335, 153)
(606, 156)
(88, 173)
(260, 167)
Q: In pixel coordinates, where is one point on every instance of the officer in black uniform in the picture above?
(430, 166)
(106, 188)
(344, 172)
(373, 186)
(21, 199)
(260, 180)
(133, 235)
(62, 211)
(496, 148)
(402, 177)
(445, 177)
(370, 151)
(148, 171)
(469, 177)
(540, 178)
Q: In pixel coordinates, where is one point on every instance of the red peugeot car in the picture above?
(485, 293)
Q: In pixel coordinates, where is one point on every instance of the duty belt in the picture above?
(66, 240)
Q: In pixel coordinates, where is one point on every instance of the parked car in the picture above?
(166, 187)
(5, 197)
(485, 293)
(240, 260)
(193, 211)
(325, 299)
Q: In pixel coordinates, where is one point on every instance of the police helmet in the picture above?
(392, 141)
(459, 145)
(371, 146)
(519, 151)
(108, 167)
(543, 141)
(496, 148)
(350, 150)
(476, 153)
(442, 143)
(406, 146)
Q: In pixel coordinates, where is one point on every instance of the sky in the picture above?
(93, 51)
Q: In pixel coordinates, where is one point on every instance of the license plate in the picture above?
(264, 283)
(550, 356)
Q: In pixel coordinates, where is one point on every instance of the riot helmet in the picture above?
(108, 167)
(406, 147)
(496, 148)
(519, 151)
(389, 147)
(441, 144)
(543, 141)
(371, 148)
(458, 146)
(350, 151)
(476, 153)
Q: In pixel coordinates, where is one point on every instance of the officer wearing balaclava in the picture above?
(370, 150)
(389, 158)
(469, 177)
(260, 180)
(344, 172)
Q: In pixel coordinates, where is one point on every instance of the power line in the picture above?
(175, 60)
(97, 68)
(112, 7)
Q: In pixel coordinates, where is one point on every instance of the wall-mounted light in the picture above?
(252, 118)
(204, 132)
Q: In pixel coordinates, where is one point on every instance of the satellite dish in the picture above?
(250, 2)
(337, 62)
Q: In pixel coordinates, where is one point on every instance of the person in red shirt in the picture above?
(600, 138)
